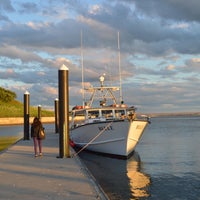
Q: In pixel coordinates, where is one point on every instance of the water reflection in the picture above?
(120, 179)
(139, 181)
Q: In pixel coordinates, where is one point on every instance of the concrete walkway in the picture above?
(22, 176)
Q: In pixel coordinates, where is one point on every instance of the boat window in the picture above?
(79, 116)
(79, 113)
(107, 113)
(93, 113)
(119, 113)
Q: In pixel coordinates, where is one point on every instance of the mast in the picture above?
(82, 69)
(119, 61)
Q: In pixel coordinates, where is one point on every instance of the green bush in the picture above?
(7, 95)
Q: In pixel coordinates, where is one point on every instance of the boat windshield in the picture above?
(93, 114)
(120, 114)
(107, 113)
(79, 116)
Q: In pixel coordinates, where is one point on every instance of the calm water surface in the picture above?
(166, 164)
(16, 130)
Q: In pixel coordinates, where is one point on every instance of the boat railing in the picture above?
(143, 117)
(95, 120)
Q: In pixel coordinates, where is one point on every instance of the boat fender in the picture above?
(72, 144)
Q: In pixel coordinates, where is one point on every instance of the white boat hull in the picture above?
(115, 138)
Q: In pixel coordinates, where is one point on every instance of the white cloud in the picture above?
(195, 60)
(94, 9)
(180, 26)
(37, 26)
(170, 67)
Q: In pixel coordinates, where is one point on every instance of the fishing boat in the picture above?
(113, 129)
(103, 123)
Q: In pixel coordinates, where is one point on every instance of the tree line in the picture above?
(7, 95)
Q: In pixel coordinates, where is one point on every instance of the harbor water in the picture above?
(166, 164)
(16, 130)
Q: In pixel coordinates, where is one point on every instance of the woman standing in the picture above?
(35, 128)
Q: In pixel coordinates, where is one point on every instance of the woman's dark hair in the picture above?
(36, 121)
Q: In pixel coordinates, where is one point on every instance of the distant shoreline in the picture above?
(182, 114)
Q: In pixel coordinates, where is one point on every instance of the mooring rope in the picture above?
(101, 132)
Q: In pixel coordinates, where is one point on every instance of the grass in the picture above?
(16, 109)
(6, 141)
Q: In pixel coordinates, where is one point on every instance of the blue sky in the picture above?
(159, 44)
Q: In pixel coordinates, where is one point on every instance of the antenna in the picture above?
(83, 91)
(119, 60)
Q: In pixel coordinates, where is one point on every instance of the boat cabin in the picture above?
(94, 115)
(109, 109)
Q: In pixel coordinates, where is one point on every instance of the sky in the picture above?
(159, 43)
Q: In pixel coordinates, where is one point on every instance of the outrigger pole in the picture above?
(120, 78)
(83, 90)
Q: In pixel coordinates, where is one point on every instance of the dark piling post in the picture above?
(56, 102)
(26, 115)
(39, 112)
(63, 112)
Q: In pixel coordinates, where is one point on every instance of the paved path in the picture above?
(22, 176)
